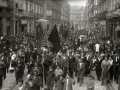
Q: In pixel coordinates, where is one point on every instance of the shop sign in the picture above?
(23, 21)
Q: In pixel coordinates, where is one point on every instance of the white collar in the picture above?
(20, 88)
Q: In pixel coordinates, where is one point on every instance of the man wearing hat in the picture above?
(81, 71)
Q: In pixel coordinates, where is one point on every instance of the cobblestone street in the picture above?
(10, 83)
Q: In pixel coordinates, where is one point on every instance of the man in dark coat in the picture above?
(98, 68)
(87, 64)
(116, 65)
(71, 60)
(2, 66)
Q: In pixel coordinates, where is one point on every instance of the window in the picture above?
(16, 5)
(95, 2)
(34, 8)
(38, 9)
(8, 19)
(26, 6)
(31, 7)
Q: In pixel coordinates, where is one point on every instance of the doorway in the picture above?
(8, 31)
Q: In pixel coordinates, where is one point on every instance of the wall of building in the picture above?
(26, 13)
(77, 16)
(6, 17)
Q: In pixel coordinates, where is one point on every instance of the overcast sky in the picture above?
(77, 2)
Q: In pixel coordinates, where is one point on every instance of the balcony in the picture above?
(27, 14)
(38, 15)
(3, 3)
(10, 4)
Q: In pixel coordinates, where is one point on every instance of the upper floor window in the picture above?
(31, 7)
(26, 6)
(95, 2)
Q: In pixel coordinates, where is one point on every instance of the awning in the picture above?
(42, 20)
(44, 23)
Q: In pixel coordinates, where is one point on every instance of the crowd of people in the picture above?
(96, 58)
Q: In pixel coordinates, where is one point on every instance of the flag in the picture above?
(39, 33)
(54, 39)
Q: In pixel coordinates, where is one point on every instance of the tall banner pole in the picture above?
(43, 75)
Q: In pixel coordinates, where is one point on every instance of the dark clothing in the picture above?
(35, 55)
(55, 64)
(93, 64)
(37, 84)
(1, 81)
(71, 60)
(87, 67)
(116, 65)
(19, 72)
(98, 68)
(111, 73)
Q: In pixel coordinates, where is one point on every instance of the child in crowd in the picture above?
(90, 82)
(58, 72)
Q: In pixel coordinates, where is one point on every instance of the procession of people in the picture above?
(95, 58)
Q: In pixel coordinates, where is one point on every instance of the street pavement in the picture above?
(115, 85)
(9, 82)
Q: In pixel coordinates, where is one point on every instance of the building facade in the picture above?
(65, 12)
(6, 17)
(58, 12)
(92, 13)
(113, 18)
(53, 12)
(26, 13)
(77, 16)
(104, 15)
